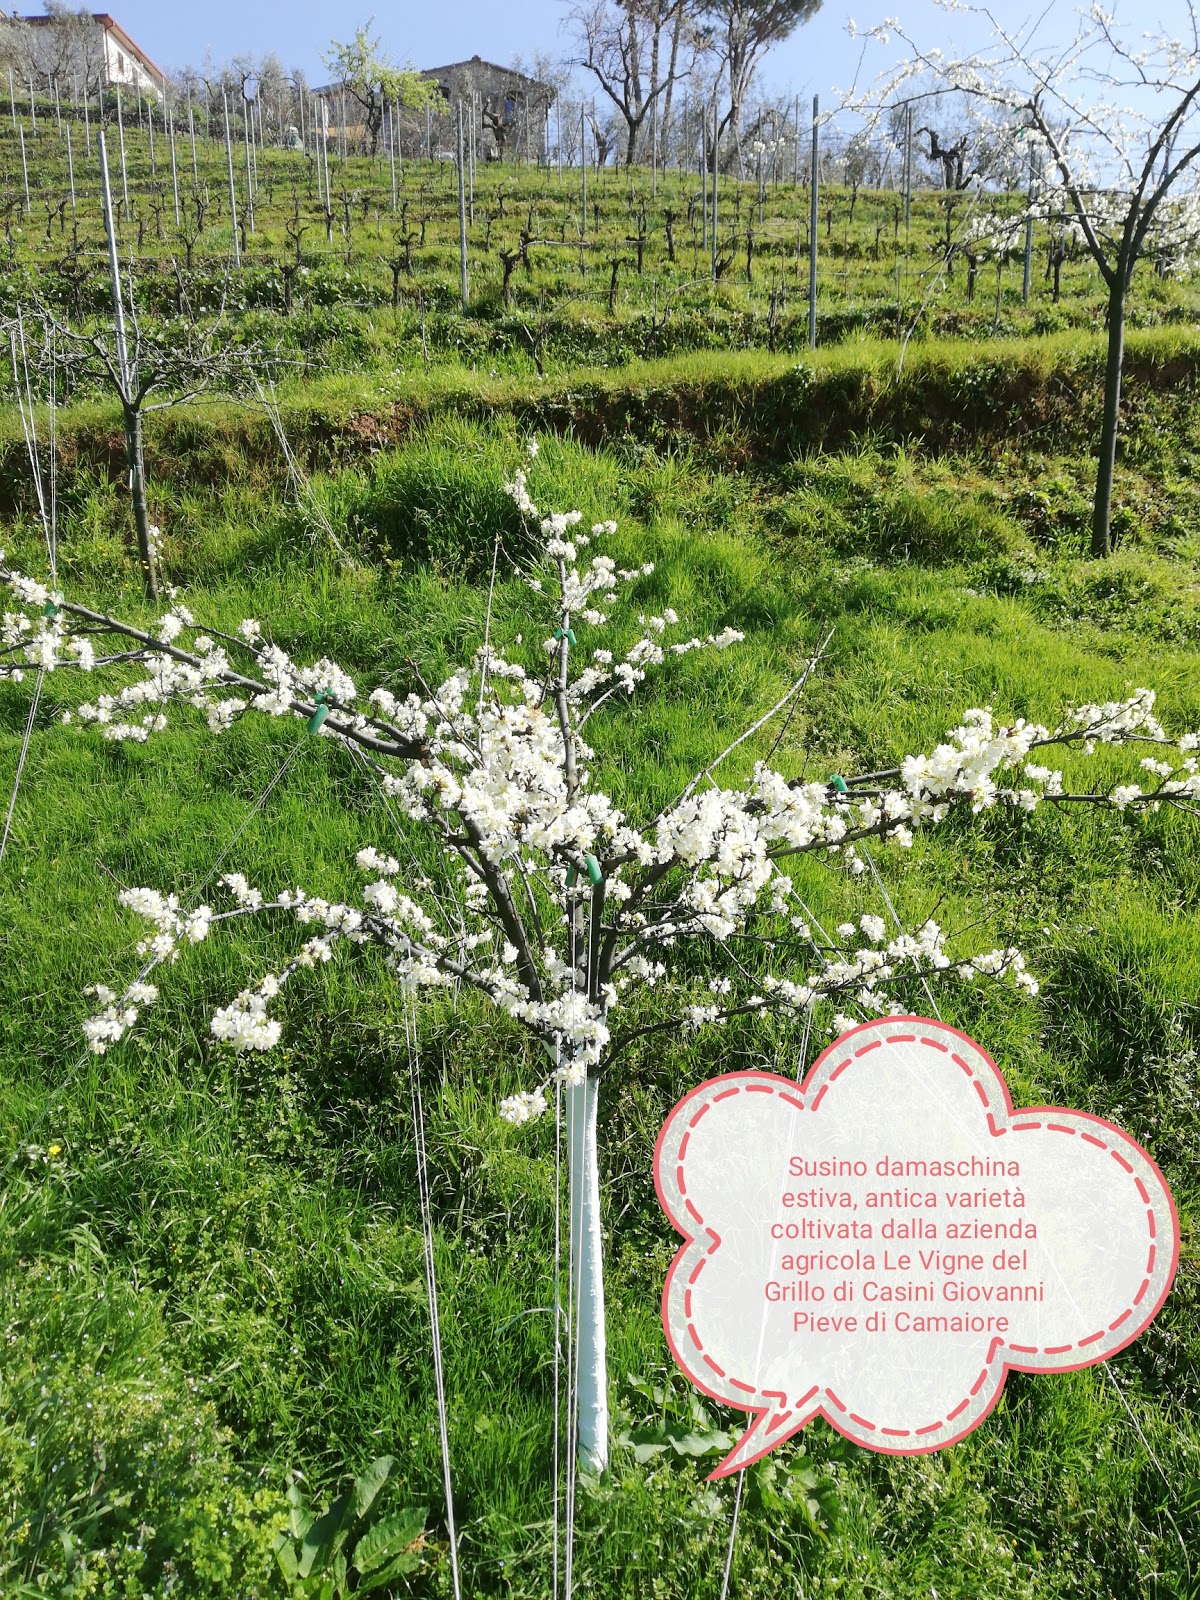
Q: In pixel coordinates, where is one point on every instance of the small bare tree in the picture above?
(172, 360)
(1116, 113)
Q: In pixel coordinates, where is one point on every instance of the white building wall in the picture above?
(122, 67)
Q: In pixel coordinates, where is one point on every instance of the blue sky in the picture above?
(819, 57)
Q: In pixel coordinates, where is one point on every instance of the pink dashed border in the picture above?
(1037, 1118)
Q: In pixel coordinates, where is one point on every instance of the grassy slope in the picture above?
(217, 1274)
(348, 312)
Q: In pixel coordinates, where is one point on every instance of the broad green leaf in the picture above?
(686, 1442)
(326, 1535)
(300, 1518)
(389, 1537)
(369, 1485)
(408, 1562)
(285, 1555)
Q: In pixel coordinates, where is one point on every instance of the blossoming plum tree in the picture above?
(566, 912)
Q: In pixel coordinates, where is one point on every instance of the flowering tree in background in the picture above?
(557, 906)
(373, 81)
(1116, 112)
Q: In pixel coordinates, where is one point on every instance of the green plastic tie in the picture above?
(571, 877)
(593, 870)
(319, 715)
(839, 783)
(558, 633)
(50, 610)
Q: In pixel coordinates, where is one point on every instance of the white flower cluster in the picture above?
(564, 907)
(524, 1107)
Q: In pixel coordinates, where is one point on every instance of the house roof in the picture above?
(477, 62)
(110, 25)
(131, 47)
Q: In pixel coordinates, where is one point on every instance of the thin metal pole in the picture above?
(237, 252)
(318, 143)
(462, 209)
(192, 137)
(392, 154)
(812, 231)
(908, 133)
(24, 170)
(12, 99)
(325, 150)
(471, 163)
(249, 179)
(654, 148)
(170, 116)
(1025, 282)
(583, 168)
(703, 174)
(114, 270)
(150, 126)
(716, 162)
(71, 167)
(124, 174)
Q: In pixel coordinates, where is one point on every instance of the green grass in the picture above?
(216, 1276)
(342, 310)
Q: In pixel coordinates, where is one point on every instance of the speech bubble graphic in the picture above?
(882, 1243)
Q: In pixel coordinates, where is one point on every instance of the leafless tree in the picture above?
(742, 32)
(1115, 112)
(633, 48)
(151, 367)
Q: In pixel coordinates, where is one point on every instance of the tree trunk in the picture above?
(1102, 505)
(137, 490)
(587, 1276)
